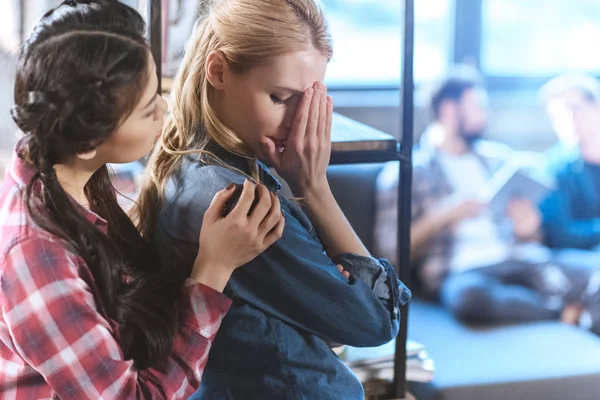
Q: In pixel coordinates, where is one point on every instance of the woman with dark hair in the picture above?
(84, 310)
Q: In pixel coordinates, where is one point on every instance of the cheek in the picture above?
(132, 141)
(591, 120)
(267, 117)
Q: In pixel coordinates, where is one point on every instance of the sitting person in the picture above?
(571, 213)
(249, 89)
(482, 266)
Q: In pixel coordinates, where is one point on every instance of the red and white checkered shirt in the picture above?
(55, 340)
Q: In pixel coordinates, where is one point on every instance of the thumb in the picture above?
(272, 153)
(214, 211)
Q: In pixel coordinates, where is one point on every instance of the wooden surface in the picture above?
(347, 135)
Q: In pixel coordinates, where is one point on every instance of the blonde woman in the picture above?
(249, 89)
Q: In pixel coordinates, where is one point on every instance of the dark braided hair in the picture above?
(79, 75)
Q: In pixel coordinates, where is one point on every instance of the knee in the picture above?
(470, 302)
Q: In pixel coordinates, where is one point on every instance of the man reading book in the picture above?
(482, 266)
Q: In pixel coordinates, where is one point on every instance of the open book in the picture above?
(510, 182)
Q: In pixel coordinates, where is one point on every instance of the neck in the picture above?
(73, 177)
(449, 141)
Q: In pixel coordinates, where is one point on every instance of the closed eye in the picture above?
(151, 113)
(278, 100)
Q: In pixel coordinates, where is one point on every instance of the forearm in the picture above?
(333, 227)
(423, 230)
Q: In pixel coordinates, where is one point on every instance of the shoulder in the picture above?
(16, 224)
(189, 193)
(569, 170)
(388, 178)
(493, 150)
(196, 183)
(423, 159)
(35, 261)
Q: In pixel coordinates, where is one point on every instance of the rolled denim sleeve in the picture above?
(296, 281)
(379, 275)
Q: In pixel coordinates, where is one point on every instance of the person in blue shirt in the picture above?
(571, 212)
(250, 90)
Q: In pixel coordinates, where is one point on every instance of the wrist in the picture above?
(211, 274)
(316, 191)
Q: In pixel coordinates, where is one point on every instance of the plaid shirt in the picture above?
(429, 187)
(55, 339)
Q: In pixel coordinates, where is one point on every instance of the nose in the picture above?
(163, 106)
(288, 118)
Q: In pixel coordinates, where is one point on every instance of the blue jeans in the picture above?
(516, 291)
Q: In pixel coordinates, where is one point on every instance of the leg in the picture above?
(480, 296)
(583, 268)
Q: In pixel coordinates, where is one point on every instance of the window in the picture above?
(540, 37)
(367, 38)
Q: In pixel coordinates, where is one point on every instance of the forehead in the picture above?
(296, 70)
(574, 96)
(568, 99)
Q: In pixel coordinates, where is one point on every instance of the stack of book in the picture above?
(378, 363)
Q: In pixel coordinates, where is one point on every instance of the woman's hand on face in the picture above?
(227, 243)
(303, 163)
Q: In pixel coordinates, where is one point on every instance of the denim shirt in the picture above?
(289, 303)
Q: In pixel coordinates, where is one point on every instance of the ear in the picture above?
(216, 67)
(87, 156)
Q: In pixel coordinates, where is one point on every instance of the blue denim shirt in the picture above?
(289, 303)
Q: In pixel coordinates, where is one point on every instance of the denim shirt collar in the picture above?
(241, 163)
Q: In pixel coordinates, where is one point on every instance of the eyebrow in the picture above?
(294, 91)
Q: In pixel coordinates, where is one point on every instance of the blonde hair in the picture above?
(248, 33)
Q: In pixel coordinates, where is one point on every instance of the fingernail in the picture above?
(310, 91)
(230, 186)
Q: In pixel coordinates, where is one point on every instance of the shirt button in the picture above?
(396, 311)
